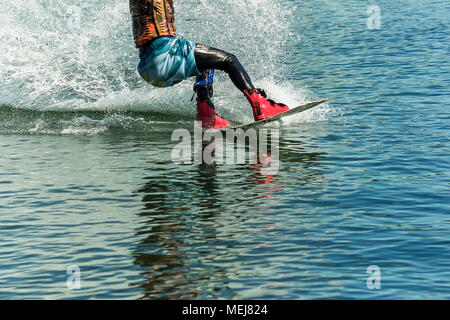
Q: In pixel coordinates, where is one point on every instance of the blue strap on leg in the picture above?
(204, 83)
(207, 81)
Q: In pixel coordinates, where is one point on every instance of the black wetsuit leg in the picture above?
(211, 58)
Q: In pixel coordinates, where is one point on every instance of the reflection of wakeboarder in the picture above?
(167, 60)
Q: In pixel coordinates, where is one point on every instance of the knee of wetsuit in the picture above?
(230, 60)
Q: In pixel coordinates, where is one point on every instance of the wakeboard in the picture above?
(290, 112)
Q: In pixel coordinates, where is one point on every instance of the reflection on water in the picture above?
(157, 253)
(189, 207)
(366, 187)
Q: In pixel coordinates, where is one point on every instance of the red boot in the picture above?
(208, 116)
(263, 108)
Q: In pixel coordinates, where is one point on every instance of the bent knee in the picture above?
(230, 60)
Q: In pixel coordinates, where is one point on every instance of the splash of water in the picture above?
(65, 55)
(61, 54)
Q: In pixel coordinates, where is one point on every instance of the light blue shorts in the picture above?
(167, 61)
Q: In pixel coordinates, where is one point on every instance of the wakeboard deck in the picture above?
(290, 112)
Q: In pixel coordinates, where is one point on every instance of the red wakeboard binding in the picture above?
(206, 112)
(262, 107)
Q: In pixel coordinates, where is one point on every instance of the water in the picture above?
(86, 177)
